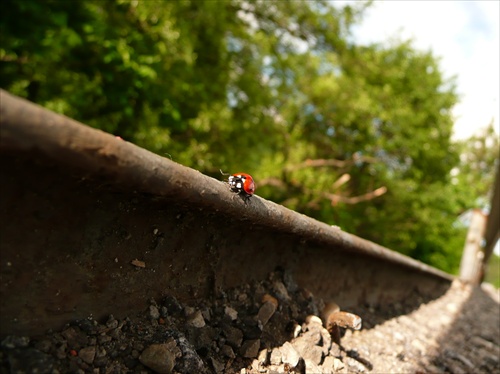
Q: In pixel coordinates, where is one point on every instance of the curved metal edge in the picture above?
(25, 126)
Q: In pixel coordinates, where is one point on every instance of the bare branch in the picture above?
(320, 162)
(344, 178)
(335, 199)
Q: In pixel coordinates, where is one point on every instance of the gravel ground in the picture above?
(272, 326)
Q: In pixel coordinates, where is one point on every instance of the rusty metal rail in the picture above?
(78, 205)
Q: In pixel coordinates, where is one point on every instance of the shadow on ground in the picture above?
(472, 343)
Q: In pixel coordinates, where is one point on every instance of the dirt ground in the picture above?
(267, 327)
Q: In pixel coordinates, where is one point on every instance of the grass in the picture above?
(493, 271)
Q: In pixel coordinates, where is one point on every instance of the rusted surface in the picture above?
(80, 209)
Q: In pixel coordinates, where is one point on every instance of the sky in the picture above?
(464, 34)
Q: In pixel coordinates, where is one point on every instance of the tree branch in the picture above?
(320, 162)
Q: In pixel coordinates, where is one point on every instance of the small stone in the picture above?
(275, 356)
(12, 341)
(202, 337)
(290, 283)
(266, 311)
(87, 354)
(27, 360)
(270, 298)
(188, 310)
(252, 328)
(191, 361)
(231, 313)
(44, 345)
(154, 313)
(61, 351)
(262, 358)
(311, 319)
(218, 366)
(280, 290)
(75, 337)
(311, 337)
(327, 365)
(250, 348)
(159, 357)
(172, 305)
(207, 315)
(255, 366)
(355, 366)
(115, 334)
(104, 339)
(308, 350)
(312, 367)
(289, 355)
(87, 325)
(398, 336)
(138, 263)
(196, 319)
(233, 335)
(164, 312)
(326, 340)
(111, 323)
(337, 364)
(227, 351)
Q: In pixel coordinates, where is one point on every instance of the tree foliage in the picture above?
(356, 136)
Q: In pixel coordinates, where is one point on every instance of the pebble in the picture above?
(263, 355)
(191, 361)
(328, 363)
(266, 311)
(217, 337)
(233, 335)
(75, 337)
(312, 367)
(159, 357)
(228, 351)
(154, 313)
(217, 365)
(250, 348)
(275, 356)
(15, 342)
(196, 319)
(172, 305)
(44, 345)
(87, 354)
(29, 360)
(337, 364)
(281, 291)
(308, 349)
(231, 313)
(289, 355)
(112, 323)
(251, 327)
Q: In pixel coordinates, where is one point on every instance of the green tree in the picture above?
(356, 136)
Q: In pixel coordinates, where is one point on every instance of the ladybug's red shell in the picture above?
(242, 183)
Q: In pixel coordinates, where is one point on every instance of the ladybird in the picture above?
(241, 183)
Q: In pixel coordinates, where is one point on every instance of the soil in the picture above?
(272, 326)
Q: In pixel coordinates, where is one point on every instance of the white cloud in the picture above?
(465, 34)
